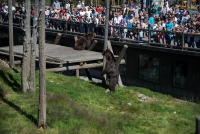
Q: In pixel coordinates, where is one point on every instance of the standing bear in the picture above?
(84, 42)
(111, 69)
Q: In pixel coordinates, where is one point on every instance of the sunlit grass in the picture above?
(76, 106)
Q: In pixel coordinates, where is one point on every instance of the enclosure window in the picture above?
(149, 68)
(179, 74)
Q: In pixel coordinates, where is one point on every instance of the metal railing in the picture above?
(119, 33)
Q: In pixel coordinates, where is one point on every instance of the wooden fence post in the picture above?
(110, 47)
(121, 55)
(77, 70)
(93, 45)
(57, 38)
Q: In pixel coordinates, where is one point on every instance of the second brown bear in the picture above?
(84, 42)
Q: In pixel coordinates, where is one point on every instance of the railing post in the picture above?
(170, 39)
(66, 28)
(149, 35)
(120, 36)
(1, 18)
(183, 41)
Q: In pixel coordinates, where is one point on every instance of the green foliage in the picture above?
(76, 106)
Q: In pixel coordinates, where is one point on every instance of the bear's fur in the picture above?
(111, 69)
(84, 42)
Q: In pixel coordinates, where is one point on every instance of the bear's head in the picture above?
(109, 55)
(90, 36)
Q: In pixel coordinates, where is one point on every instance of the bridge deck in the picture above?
(58, 54)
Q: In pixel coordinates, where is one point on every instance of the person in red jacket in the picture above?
(98, 9)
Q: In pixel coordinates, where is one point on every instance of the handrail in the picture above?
(67, 27)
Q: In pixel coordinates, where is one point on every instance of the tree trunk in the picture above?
(33, 46)
(11, 54)
(26, 49)
(106, 36)
(42, 64)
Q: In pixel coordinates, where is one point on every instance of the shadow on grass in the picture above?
(17, 108)
(10, 81)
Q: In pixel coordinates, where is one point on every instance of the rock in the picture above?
(107, 90)
(142, 97)
(129, 104)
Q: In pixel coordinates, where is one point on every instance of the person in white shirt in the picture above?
(96, 22)
(5, 15)
(82, 12)
(79, 5)
(67, 6)
(164, 10)
(88, 11)
(117, 19)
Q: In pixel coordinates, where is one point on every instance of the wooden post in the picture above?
(77, 72)
(11, 53)
(93, 45)
(57, 38)
(197, 125)
(42, 64)
(124, 49)
(121, 55)
(75, 38)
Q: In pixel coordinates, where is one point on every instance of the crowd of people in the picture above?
(89, 18)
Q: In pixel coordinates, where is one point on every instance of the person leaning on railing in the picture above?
(196, 38)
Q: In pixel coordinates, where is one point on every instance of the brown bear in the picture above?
(111, 69)
(84, 42)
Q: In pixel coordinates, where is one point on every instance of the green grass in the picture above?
(75, 106)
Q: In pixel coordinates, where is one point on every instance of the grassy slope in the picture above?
(75, 106)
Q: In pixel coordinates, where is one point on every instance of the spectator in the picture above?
(79, 5)
(56, 5)
(67, 5)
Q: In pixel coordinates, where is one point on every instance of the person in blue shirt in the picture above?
(154, 9)
(129, 27)
(168, 27)
(151, 24)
